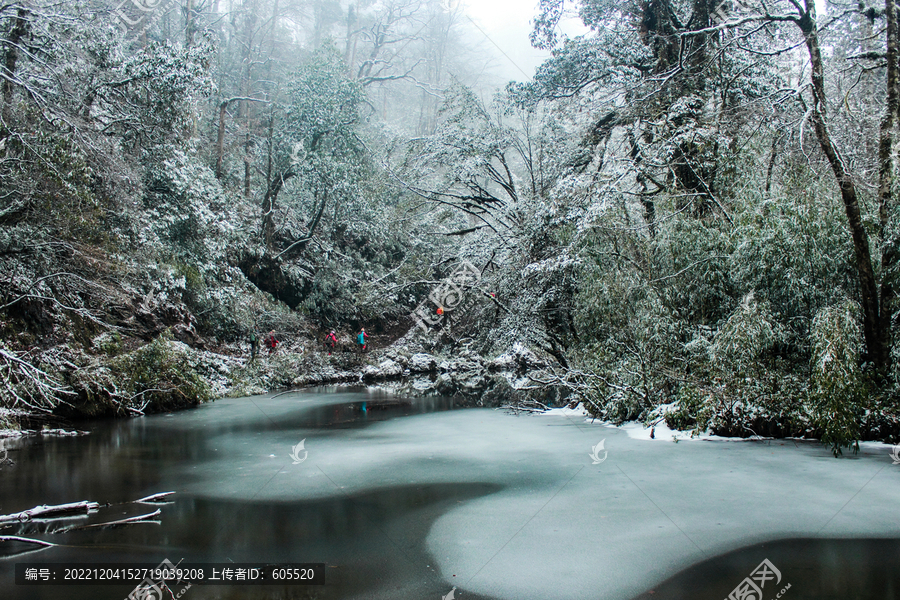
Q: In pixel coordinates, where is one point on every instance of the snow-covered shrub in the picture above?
(633, 340)
(795, 253)
(692, 410)
(838, 391)
(749, 332)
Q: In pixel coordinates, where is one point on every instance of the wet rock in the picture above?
(422, 385)
(504, 362)
(422, 363)
(389, 368)
(397, 357)
(519, 358)
(386, 368)
(461, 384)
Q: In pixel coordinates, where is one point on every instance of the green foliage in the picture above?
(194, 285)
(166, 80)
(160, 376)
(7, 421)
(699, 285)
(631, 334)
(110, 344)
(795, 252)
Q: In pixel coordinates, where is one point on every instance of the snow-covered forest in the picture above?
(688, 214)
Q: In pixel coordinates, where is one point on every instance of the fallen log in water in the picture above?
(85, 506)
(60, 510)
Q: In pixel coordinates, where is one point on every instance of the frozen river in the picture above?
(408, 499)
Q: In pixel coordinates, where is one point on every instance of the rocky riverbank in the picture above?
(167, 374)
(405, 368)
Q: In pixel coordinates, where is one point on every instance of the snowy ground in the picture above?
(572, 519)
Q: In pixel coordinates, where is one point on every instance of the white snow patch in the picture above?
(660, 431)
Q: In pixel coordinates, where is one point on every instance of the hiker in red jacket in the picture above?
(330, 342)
(271, 341)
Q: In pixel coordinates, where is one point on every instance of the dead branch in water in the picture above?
(160, 497)
(526, 406)
(16, 538)
(148, 518)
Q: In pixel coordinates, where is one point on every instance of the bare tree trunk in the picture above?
(886, 175)
(250, 22)
(773, 154)
(878, 353)
(301, 243)
(247, 168)
(698, 55)
(351, 61)
(268, 206)
(220, 138)
(349, 44)
(19, 30)
(189, 18)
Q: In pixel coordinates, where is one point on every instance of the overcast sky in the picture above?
(506, 25)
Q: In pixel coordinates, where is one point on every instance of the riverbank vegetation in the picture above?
(689, 212)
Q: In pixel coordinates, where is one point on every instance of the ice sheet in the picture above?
(565, 523)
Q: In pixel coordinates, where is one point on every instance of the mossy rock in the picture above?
(157, 377)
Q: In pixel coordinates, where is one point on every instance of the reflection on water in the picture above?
(372, 541)
(814, 569)
(369, 541)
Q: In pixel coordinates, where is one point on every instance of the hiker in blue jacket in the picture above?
(362, 340)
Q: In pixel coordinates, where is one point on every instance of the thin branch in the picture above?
(147, 518)
(16, 538)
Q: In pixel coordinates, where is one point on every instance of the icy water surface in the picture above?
(408, 499)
